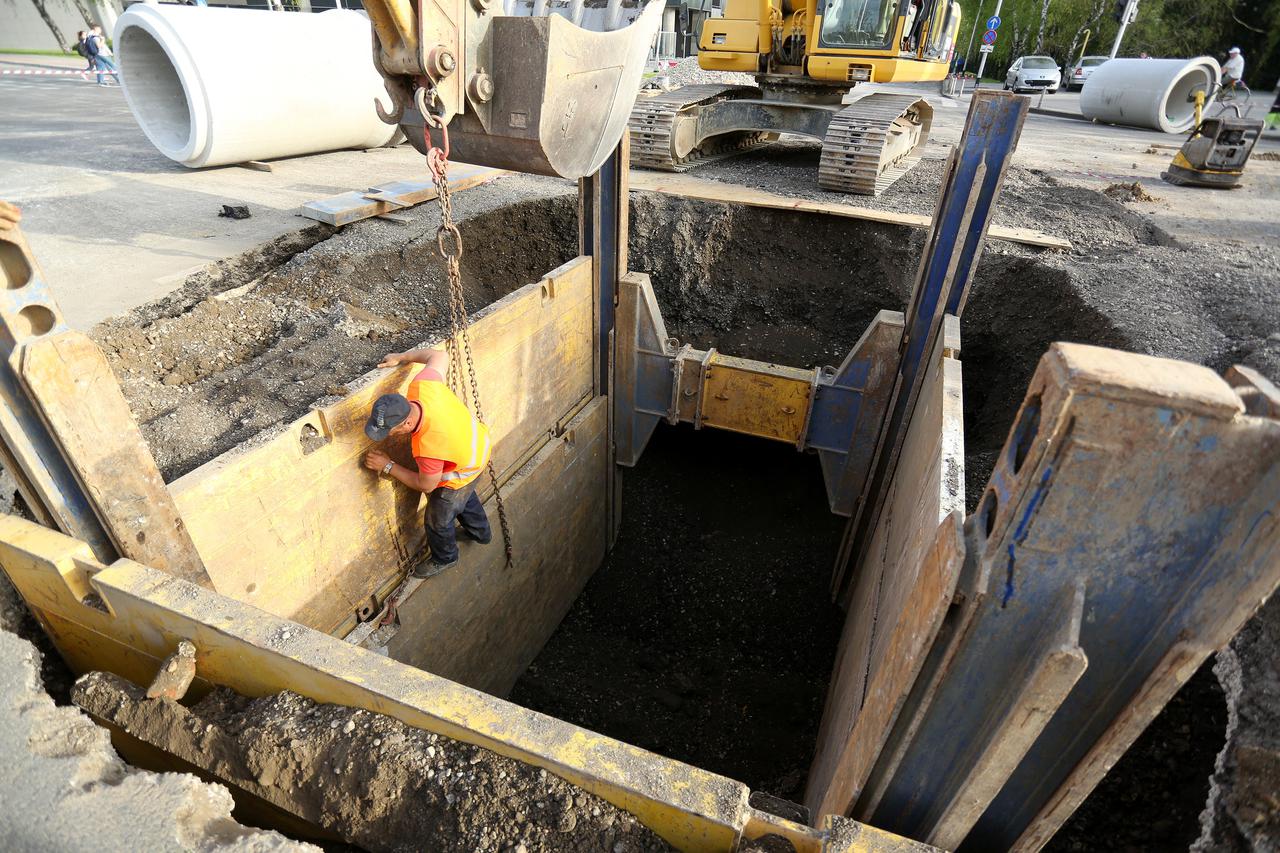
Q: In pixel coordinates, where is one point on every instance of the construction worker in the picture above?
(450, 447)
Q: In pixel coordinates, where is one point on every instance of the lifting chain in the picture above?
(449, 245)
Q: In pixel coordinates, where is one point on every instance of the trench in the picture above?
(706, 634)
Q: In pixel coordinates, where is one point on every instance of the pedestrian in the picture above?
(101, 53)
(1233, 69)
(80, 48)
(450, 450)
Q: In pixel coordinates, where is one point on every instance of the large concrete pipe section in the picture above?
(1154, 93)
(216, 86)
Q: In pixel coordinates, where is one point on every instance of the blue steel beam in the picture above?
(602, 234)
(1146, 485)
(975, 173)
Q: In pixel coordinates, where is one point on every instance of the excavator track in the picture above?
(654, 128)
(873, 142)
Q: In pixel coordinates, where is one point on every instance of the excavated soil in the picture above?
(259, 340)
(369, 778)
(708, 634)
(236, 354)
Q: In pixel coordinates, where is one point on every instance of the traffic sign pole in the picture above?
(1130, 12)
(983, 64)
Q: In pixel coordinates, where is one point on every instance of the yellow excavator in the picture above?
(806, 55)
(541, 86)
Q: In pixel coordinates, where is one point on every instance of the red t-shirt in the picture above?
(426, 464)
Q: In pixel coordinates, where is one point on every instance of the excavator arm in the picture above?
(518, 88)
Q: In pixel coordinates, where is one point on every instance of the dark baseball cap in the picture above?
(389, 411)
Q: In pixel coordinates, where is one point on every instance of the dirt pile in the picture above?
(369, 778)
(1128, 192)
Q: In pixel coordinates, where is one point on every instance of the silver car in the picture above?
(1033, 74)
(1084, 67)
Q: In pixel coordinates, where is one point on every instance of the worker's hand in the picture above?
(9, 216)
(376, 460)
(393, 359)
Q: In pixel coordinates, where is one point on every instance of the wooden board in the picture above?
(312, 535)
(354, 206)
(67, 376)
(927, 487)
(853, 753)
(481, 624)
(683, 185)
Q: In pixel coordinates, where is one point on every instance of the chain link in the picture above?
(449, 245)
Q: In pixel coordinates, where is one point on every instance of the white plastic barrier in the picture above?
(1154, 93)
(215, 86)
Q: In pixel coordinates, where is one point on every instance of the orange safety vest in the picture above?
(449, 432)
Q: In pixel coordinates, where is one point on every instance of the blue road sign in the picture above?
(989, 37)
(993, 23)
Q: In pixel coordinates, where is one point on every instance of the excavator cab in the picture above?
(541, 86)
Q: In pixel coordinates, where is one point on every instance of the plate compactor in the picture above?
(1215, 153)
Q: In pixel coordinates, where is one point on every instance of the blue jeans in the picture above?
(444, 507)
(105, 63)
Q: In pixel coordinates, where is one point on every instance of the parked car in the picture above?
(1084, 67)
(1032, 74)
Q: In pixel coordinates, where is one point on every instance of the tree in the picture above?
(1044, 20)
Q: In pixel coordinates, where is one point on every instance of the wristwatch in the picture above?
(386, 469)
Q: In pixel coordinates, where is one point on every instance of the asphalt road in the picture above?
(116, 224)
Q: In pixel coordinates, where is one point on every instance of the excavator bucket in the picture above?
(545, 88)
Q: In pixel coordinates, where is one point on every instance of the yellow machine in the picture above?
(806, 55)
(1215, 153)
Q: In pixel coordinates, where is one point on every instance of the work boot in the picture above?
(431, 568)
(474, 537)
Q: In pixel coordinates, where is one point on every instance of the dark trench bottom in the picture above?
(708, 634)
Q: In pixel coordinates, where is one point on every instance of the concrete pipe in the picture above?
(1154, 93)
(216, 86)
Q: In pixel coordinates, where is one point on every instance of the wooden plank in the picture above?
(927, 487)
(354, 206)
(970, 593)
(297, 526)
(855, 751)
(714, 191)
(258, 654)
(69, 379)
(482, 625)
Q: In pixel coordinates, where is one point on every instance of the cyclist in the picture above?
(1233, 69)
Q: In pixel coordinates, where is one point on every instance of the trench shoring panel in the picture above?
(910, 574)
(297, 526)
